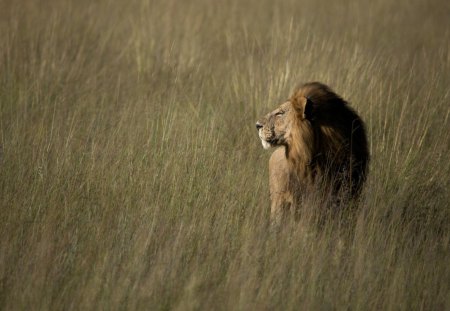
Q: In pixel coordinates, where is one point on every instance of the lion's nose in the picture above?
(258, 125)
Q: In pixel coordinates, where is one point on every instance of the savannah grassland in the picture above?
(132, 177)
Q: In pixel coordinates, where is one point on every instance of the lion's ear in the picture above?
(303, 107)
(308, 112)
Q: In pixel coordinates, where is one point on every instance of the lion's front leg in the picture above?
(281, 204)
(280, 194)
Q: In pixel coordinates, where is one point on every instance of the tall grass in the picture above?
(131, 175)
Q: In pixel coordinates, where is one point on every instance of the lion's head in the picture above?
(278, 127)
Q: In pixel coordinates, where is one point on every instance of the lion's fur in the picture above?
(323, 146)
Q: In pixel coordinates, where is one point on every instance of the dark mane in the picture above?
(331, 143)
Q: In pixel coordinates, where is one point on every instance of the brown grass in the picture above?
(132, 177)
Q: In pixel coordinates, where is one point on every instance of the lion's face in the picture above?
(274, 128)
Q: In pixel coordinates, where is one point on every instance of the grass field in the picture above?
(132, 177)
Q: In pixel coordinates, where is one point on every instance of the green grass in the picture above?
(132, 177)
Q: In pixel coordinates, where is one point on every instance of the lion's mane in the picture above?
(328, 142)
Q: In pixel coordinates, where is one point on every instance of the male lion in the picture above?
(322, 147)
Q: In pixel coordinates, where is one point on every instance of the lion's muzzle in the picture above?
(266, 144)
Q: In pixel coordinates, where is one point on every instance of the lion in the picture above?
(321, 147)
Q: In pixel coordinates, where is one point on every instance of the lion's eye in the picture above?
(279, 113)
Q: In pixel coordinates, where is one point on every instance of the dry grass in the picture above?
(132, 177)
